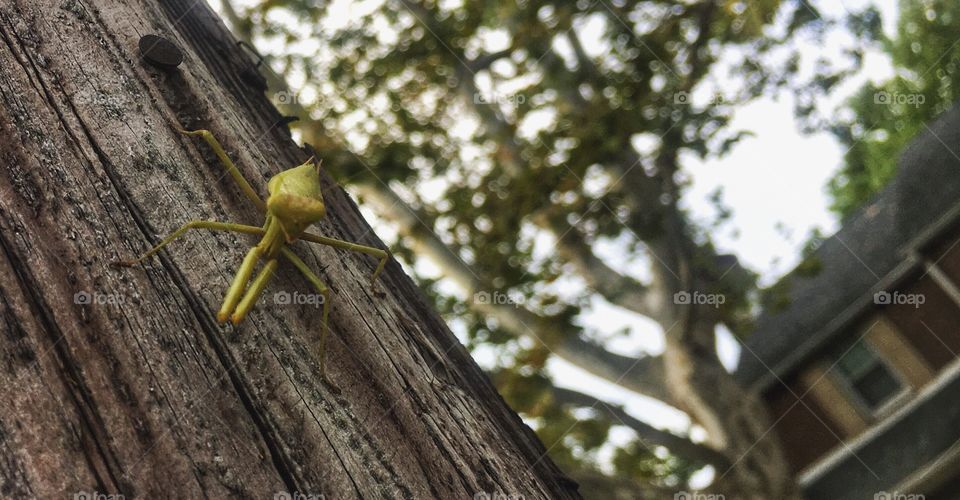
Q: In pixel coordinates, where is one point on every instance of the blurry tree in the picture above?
(881, 119)
(509, 142)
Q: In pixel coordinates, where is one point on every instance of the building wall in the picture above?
(932, 328)
(815, 409)
(804, 431)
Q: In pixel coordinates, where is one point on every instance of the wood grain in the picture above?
(133, 388)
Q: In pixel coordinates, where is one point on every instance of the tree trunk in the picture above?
(735, 419)
(120, 381)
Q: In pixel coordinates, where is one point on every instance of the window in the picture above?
(867, 375)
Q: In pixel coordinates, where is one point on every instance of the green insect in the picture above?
(294, 203)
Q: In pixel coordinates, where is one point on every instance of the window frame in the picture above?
(855, 396)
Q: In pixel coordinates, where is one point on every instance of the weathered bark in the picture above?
(150, 397)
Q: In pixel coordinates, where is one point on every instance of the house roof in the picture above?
(854, 262)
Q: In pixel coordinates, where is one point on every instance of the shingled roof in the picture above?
(853, 263)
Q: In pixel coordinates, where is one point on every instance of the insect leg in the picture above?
(196, 224)
(325, 292)
(239, 284)
(383, 255)
(253, 293)
(207, 136)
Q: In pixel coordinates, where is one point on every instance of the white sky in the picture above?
(776, 177)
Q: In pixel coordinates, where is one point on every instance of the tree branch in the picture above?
(618, 289)
(485, 61)
(613, 286)
(642, 375)
(648, 435)
(583, 60)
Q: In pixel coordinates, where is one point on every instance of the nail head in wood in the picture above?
(160, 52)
